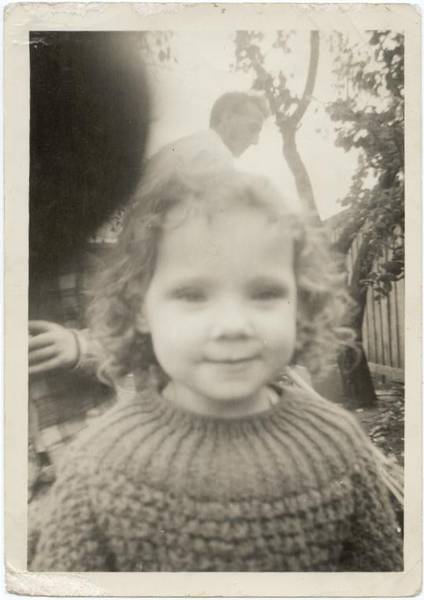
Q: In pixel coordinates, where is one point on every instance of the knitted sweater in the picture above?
(151, 487)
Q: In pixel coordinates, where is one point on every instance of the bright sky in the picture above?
(185, 92)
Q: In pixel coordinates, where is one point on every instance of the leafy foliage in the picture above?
(251, 50)
(385, 422)
(371, 118)
(264, 56)
(156, 47)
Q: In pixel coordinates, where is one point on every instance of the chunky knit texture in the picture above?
(153, 488)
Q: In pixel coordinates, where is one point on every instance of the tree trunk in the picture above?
(298, 169)
(358, 385)
(289, 126)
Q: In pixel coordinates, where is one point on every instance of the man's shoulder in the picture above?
(207, 136)
(201, 145)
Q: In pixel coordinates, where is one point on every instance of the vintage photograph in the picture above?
(216, 300)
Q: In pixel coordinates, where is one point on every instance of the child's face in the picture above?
(221, 306)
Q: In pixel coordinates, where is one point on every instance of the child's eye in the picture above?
(269, 293)
(189, 294)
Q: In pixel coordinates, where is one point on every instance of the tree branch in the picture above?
(310, 79)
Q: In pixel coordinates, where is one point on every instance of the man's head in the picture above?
(238, 118)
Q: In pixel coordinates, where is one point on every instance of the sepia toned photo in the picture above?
(215, 293)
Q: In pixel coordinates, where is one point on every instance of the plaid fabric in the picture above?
(62, 397)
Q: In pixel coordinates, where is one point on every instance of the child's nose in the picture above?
(231, 320)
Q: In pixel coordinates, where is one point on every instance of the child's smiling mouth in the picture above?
(232, 360)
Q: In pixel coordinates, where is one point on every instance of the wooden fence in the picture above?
(383, 327)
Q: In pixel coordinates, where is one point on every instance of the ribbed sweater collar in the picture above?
(292, 448)
(158, 403)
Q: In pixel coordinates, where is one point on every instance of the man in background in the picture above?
(235, 123)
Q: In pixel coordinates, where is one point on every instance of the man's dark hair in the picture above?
(235, 103)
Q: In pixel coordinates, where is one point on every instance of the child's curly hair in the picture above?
(121, 287)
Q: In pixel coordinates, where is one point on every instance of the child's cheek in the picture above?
(175, 331)
(281, 337)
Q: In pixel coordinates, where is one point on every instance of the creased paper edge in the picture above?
(49, 584)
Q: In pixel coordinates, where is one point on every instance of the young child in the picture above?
(217, 289)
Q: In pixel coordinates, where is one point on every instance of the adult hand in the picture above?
(51, 346)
